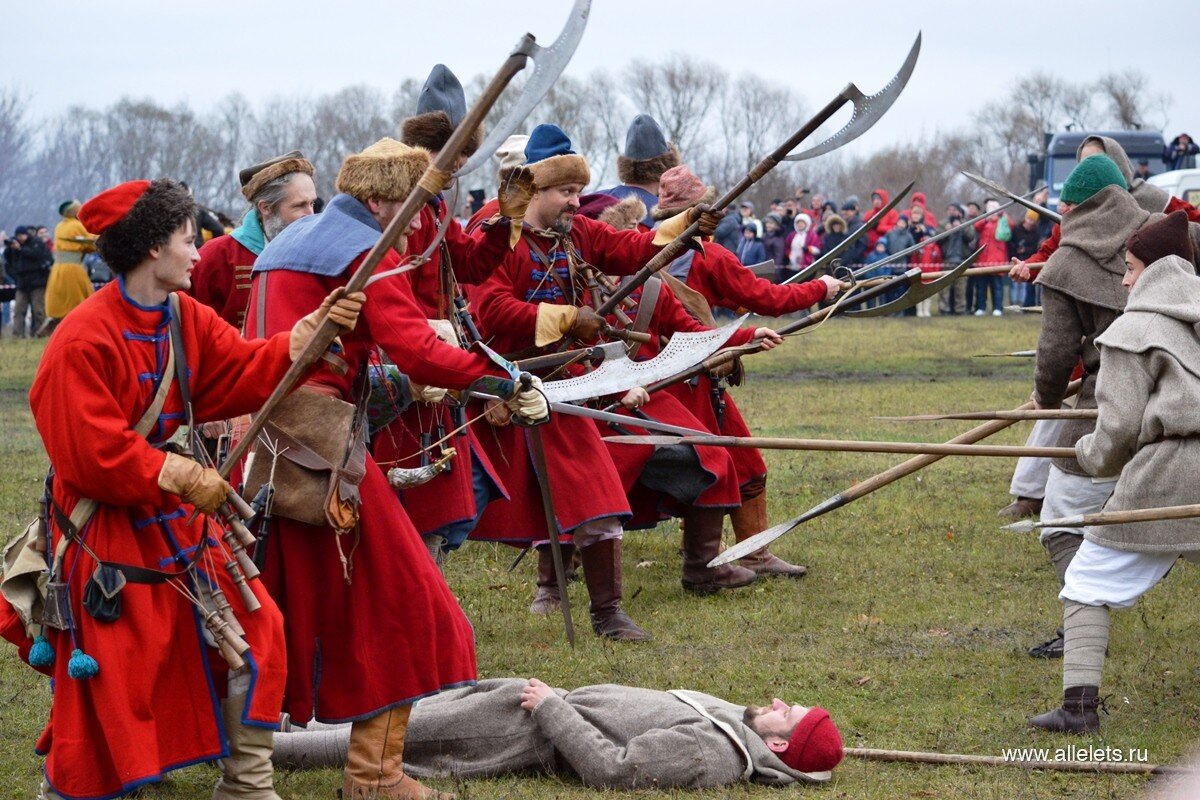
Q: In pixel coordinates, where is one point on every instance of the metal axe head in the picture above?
(919, 291)
(621, 374)
(867, 108)
(548, 63)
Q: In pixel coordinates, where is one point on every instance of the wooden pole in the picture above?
(1122, 517)
(852, 446)
(916, 757)
(1033, 413)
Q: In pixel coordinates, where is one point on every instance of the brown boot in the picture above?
(602, 574)
(701, 544)
(751, 518)
(375, 761)
(547, 600)
(1021, 508)
(1079, 712)
(246, 773)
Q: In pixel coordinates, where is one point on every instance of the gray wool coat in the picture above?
(609, 736)
(1148, 428)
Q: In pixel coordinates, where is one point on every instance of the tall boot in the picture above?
(750, 518)
(547, 599)
(1079, 713)
(247, 773)
(375, 761)
(701, 544)
(433, 543)
(602, 574)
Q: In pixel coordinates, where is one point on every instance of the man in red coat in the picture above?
(538, 295)
(141, 692)
(280, 191)
(371, 624)
(720, 278)
(445, 509)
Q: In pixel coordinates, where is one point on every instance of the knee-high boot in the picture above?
(751, 518)
(547, 599)
(246, 774)
(701, 544)
(602, 574)
(375, 761)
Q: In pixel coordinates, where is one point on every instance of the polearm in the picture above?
(866, 113)
(434, 179)
(1016, 416)
(1014, 354)
(864, 488)
(850, 446)
(998, 189)
(917, 757)
(1109, 518)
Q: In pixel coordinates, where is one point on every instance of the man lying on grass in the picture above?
(608, 736)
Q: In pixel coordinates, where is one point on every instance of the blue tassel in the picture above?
(82, 666)
(42, 653)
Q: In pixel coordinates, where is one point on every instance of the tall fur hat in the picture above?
(549, 156)
(441, 107)
(255, 177)
(387, 170)
(647, 154)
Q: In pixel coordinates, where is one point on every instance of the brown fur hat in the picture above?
(432, 130)
(387, 170)
(647, 171)
(625, 214)
(557, 170)
(254, 178)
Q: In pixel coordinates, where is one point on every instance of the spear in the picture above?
(997, 188)
(864, 488)
(851, 446)
(1033, 413)
(1014, 354)
(1128, 768)
(1108, 518)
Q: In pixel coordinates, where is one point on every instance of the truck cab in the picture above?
(1054, 165)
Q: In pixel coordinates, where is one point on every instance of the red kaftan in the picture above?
(221, 279)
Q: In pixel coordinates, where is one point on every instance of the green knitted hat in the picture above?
(1090, 176)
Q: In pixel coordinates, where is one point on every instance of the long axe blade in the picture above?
(919, 291)
(998, 189)
(870, 114)
(864, 488)
(868, 109)
(826, 258)
(549, 62)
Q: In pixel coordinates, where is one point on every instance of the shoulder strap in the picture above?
(646, 306)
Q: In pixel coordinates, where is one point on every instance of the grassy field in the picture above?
(911, 626)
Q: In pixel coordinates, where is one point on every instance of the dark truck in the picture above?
(1052, 166)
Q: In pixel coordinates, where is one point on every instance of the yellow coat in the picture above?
(67, 234)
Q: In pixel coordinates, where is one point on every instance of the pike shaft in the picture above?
(1033, 413)
(873, 754)
(851, 446)
(1122, 517)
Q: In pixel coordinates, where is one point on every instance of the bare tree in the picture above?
(678, 92)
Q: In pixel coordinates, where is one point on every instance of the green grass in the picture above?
(910, 627)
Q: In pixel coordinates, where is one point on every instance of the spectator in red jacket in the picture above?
(879, 199)
(994, 233)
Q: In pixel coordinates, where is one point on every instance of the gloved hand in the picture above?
(554, 321)
(587, 325)
(514, 194)
(342, 308)
(708, 217)
(529, 404)
(202, 487)
(426, 394)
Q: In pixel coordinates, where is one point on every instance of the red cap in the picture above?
(816, 745)
(110, 206)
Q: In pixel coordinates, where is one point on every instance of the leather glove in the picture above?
(708, 217)
(202, 487)
(529, 404)
(514, 194)
(342, 308)
(669, 229)
(587, 326)
(554, 321)
(426, 394)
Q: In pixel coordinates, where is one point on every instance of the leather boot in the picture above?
(751, 518)
(1021, 508)
(602, 574)
(701, 544)
(246, 774)
(1079, 712)
(375, 761)
(433, 543)
(547, 600)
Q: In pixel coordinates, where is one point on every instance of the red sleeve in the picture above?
(475, 256)
(211, 282)
(613, 251)
(1175, 204)
(501, 308)
(731, 284)
(95, 451)
(1048, 247)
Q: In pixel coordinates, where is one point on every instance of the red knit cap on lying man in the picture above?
(815, 745)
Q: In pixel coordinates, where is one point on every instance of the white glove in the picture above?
(529, 404)
(426, 394)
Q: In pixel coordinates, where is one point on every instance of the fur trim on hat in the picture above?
(557, 170)
(387, 170)
(834, 219)
(432, 130)
(265, 176)
(660, 212)
(647, 171)
(625, 213)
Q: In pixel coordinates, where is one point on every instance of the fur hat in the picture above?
(647, 154)
(255, 177)
(624, 214)
(815, 745)
(1169, 236)
(1090, 176)
(679, 188)
(441, 106)
(387, 170)
(549, 156)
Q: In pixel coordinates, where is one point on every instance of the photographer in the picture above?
(29, 260)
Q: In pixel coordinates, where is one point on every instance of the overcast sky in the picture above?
(94, 52)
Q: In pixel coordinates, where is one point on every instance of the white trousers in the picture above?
(1101, 576)
(1068, 495)
(1029, 477)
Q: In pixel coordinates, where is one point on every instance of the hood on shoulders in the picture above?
(1169, 287)
(1163, 313)
(1147, 195)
